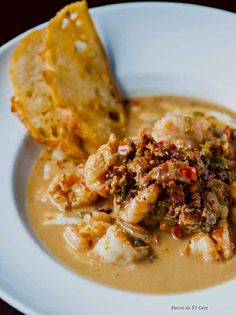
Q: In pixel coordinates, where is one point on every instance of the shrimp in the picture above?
(223, 238)
(95, 223)
(74, 239)
(60, 219)
(135, 230)
(180, 129)
(97, 166)
(69, 192)
(115, 247)
(139, 206)
(86, 233)
(201, 244)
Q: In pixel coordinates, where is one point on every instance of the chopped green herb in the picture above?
(169, 221)
(160, 210)
(200, 228)
(218, 160)
(139, 153)
(120, 156)
(205, 148)
(198, 113)
(216, 130)
(120, 195)
(138, 242)
(187, 119)
(162, 205)
(120, 207)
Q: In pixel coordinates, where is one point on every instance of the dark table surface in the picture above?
(18, 16)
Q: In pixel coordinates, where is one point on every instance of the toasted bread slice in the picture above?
(33, 102)
(79, 76)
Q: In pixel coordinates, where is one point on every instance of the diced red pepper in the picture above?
(173, 147)
(176, 232)
(134, 103)
(189, 172)
(161, 142)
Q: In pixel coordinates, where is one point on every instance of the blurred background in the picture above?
(17, 16)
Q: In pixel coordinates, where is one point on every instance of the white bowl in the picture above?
(153, 48)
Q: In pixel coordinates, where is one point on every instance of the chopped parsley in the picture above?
(220, 160)
(198, 113)
(138, 242)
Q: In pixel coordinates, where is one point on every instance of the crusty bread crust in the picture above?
(78, 74)
(64, 92)
(32, 100)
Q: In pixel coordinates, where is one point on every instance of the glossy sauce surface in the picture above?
(170, 272)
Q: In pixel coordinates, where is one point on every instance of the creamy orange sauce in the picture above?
(170, 272)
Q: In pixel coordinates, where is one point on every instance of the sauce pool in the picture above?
(170, 272)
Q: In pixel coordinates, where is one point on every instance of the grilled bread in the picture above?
(33, 101)
(78, 74)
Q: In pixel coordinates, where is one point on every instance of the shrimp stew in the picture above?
(153, 212)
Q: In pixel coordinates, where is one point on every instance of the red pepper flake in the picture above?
(189, 172)
(193, 187)
(90, 243)
(134, 103)
(176, 232)
(173, 147)
(163, 226)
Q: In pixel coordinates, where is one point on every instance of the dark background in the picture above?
(20, 15)
(17, 16)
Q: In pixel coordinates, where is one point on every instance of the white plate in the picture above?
(153, 48)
